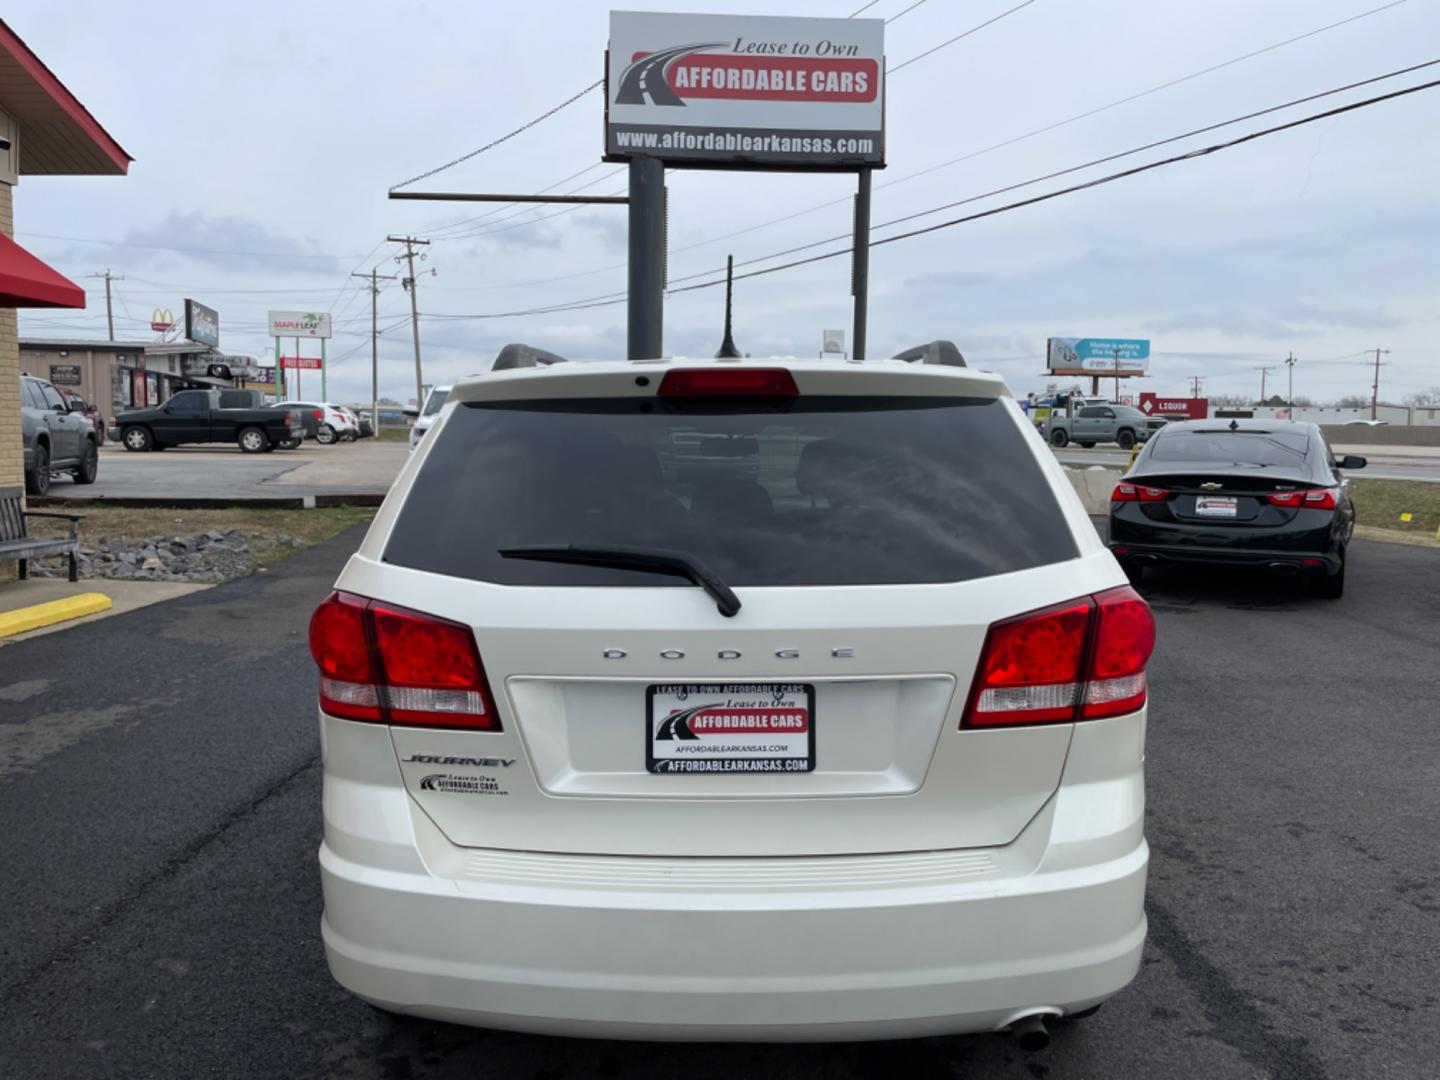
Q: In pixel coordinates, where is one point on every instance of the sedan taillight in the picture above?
(1137, 493)
(1314, 499)
(391, 665)
(1081, 660)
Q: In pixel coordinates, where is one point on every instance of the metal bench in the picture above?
(17, 543)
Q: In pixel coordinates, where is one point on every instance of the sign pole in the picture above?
(279, 374)
(297, 367)
(323, 395)
(646, 331)
(860, 264)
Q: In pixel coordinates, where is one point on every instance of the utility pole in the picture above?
(1375, 387)
(109, 312)
(1290, 362)
(1195, 383)
(411, 243)
(1263, 372)
(375, 277)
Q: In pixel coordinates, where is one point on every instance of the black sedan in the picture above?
(1239, 492)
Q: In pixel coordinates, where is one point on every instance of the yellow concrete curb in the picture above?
(38, 615)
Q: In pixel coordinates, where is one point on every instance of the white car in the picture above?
(434, 401)
(325, 423)
(844, 742)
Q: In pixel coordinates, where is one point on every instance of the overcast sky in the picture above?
(265, 136)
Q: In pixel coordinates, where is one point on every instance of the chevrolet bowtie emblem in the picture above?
(1211, 486)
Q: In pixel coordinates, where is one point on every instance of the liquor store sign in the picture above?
(746, 91)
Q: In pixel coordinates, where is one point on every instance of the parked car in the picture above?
(901, 794)
(1367, 423)
(196, 416)
(425, 416)
(55, 436)
(325, 423)
(1090, 424)
(75, 403)
(366, 422)
(1266, 493)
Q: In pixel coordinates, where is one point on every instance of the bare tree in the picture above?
(1353, 401)
(1424, 398)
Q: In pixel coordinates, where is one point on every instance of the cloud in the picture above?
(235, 242)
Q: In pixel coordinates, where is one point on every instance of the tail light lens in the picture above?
(1078, 661)
(1314, 499)
(394, 666)
(1137, 493)
(320, 414)
(728, 382)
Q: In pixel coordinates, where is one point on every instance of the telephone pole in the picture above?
(1196, 381)
(109, 312)
(1263, 372)
(1375, 387)
(1290, 362)
(408, 282)
(375, 277)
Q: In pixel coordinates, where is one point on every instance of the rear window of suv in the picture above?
(819, 491)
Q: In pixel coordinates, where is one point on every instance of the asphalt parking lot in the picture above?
(159, 779)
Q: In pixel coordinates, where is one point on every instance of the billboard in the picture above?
(315, 324)
(1097, 356)
(745, 91)
(202, 324)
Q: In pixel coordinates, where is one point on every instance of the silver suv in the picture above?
(55, 437)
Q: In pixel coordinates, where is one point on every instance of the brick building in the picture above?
(44, 131)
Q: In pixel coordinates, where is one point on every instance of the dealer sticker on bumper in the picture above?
(730, 727)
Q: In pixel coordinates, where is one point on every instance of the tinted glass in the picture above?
(190, 403)
(826, 491)
(435, 401)
(1255, 448)
(52, 397)
(33, 397)
(1092, 412)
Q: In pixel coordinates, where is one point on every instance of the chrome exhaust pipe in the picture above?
(1030, 1033)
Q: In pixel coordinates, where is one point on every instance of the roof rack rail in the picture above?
(933, 352)
(524, 356)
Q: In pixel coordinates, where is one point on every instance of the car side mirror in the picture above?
(1352, 461)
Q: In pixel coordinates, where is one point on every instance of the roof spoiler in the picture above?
(934, 352)
(524, 356)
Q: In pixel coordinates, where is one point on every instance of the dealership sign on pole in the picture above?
(202, 324)
(743, 91)
(1097, 356)
(314, 324)
(301, 363)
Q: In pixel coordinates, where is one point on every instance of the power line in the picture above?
(1097, 182)
(961, 36)
(187, 250)
(866, 7)
(906, 11)
(503, 138)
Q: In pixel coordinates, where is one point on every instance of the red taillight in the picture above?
(1314, 499)
(1137, 493)
(1077, 661)
(320, 415)
(728, 382)
(395, 666)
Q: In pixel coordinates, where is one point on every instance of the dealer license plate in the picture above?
(730, 728)
(1214, 506)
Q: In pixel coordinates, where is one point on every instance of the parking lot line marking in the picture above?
(38, 615)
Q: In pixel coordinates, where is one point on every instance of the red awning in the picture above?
(25, 281)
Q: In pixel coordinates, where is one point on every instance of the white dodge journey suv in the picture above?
(764, 700)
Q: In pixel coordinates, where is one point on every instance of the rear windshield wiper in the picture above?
(654, 560)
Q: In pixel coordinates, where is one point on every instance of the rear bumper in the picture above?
(1316, 563)
(777, 949)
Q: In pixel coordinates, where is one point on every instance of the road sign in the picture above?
(745, 91)
(1097, 356)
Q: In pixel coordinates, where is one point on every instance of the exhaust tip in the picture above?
(1030, 1033)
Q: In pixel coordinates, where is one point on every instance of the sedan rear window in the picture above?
(1262, 448)
(814, 491)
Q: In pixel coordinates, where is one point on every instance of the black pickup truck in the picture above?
(198, 416)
